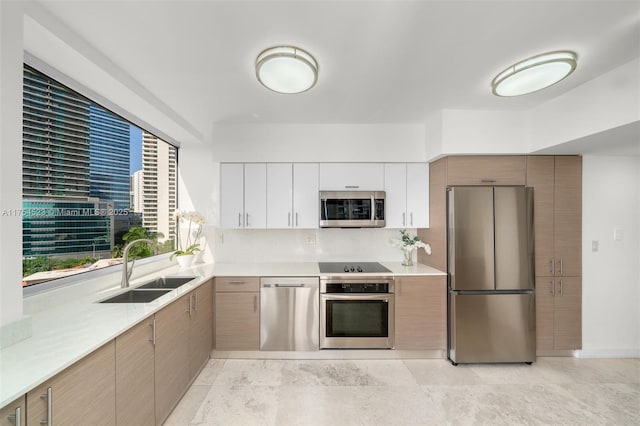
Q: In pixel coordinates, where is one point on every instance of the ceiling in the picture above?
(380, 61)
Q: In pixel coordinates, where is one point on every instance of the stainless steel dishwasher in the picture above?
(289, 318)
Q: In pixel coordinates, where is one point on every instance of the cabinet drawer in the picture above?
(490, 170)
(14, 414)
(237, 284)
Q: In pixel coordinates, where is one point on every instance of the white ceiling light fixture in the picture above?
(535, 73)
(286, 69)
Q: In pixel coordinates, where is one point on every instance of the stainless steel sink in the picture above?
(137, 296)
(167, 282)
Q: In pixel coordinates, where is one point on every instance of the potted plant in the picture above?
(408, 244)
(186, 255)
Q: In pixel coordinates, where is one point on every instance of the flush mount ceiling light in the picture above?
(534, 74)
(286, 69)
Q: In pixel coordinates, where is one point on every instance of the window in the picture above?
(91, 181)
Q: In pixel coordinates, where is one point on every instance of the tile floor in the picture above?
(552, 391)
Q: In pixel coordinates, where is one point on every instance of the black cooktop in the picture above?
(351, 267)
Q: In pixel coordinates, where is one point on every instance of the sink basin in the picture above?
(167, 282)
(137, 296)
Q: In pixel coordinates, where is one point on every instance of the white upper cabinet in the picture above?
(243, 195)
(306, 197)
(292, 195)
(351, 176)
(407, 195)
(418, 195)
(279, 195)
(286, 195)
(231, 195)
(255, 195)
(395, 186)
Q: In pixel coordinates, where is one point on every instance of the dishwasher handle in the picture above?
(289, 282)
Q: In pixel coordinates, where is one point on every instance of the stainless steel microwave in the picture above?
(352, 209)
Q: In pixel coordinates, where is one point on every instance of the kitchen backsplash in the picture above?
(304, 245)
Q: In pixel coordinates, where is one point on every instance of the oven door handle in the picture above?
(357, 296)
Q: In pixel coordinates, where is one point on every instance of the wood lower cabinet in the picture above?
(83, 394)
(237, 313)
(135, 373)
(559, 313)
(172, 358)
(201, 327)
(14, 414)
(421, 312)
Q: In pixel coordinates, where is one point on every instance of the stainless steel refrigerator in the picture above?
(491, 300)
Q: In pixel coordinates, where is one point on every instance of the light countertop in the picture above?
(68, 323)
(310, 269)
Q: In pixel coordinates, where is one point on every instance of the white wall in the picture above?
(611, 276)
(307, 245)
(608, 101)
(319, 143)
(198, 188)
(10, 162)
(484, 132)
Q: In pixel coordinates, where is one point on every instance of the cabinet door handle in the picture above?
(404, 219)
(236, 282)
(561, 269)
(153, 332)
(49, 397)
(411, 219)
(553, 266)
(195, 302)
(352, 186)
(255, 303)
(552, 287)
(289, 219)
(488, 181)
(190, 296)
(246, 223)
(561, 289)
(239, 220)
(16, 417)
(296, 219)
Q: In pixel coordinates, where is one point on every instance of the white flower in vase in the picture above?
(408, 245)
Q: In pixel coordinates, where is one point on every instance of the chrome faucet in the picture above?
(126, 272)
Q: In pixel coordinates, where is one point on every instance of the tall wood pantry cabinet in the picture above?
(557, 183)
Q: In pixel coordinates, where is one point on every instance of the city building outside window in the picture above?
(91, 182)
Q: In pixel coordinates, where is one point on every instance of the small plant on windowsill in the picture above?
(194, 232)
(408, 244)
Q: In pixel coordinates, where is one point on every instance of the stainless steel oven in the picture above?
(357, 313)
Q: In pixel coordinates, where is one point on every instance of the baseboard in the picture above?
(609, 353)
(339, 354)
(555, 352)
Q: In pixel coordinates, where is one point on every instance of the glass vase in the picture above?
(407, 257)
